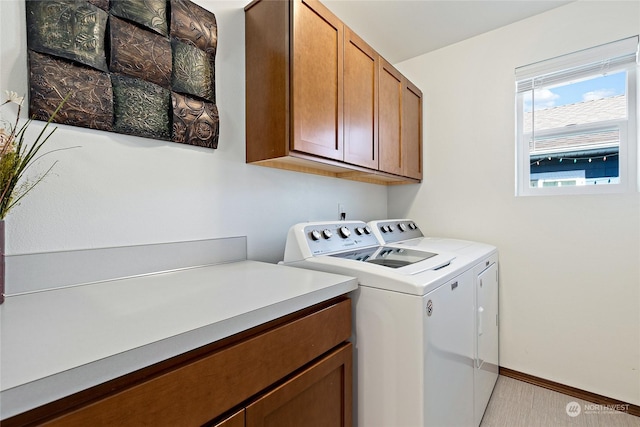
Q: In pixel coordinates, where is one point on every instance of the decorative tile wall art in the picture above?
(137, 67)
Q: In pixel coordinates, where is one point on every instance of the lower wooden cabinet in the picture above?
(296, 370)
(319, 396)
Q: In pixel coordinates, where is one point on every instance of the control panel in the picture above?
(395, 230)
(324, 238)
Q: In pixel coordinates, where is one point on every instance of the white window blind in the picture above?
(617, 55)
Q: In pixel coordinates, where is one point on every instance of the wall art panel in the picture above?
(90, 103)
(195, 122)
(102, 4)
(151, 14)
(194, 25)
(137, 67)
(139, 53)
(141, 108)
(68, 29)
(193, 71)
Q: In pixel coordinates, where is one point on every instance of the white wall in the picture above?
(570, 279)
(121, 190)
(569, 273)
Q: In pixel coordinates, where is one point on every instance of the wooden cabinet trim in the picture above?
(235, 420)
(300, 162)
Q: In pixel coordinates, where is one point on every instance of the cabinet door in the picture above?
(317, 80)
(319, 396)
(390, 119)
(411, 131)
(360, 102)
(267, 80)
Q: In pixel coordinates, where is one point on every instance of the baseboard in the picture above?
(571, 391)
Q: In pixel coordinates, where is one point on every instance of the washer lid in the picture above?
(408, 261)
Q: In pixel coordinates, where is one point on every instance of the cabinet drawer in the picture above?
(319, 396)
(195, 393)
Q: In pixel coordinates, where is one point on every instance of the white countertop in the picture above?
(57, 342)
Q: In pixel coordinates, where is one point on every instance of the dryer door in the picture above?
(449, 354)
(486, 372)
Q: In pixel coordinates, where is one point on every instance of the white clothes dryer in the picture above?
(483, 261)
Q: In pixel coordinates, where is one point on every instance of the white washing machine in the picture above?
(414, 320)
(483, 260)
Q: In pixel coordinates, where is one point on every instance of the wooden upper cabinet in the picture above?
(360, 102)
(412, 130)
(317, 80)
(390, 119)
(400, 124)
(321, 100)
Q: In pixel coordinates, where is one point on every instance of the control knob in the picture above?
(344, 232)
(315, 235)
(326, 233)
(402, 227)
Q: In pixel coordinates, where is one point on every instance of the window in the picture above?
(576, 122)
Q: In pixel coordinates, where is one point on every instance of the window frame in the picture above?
(628, 152)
